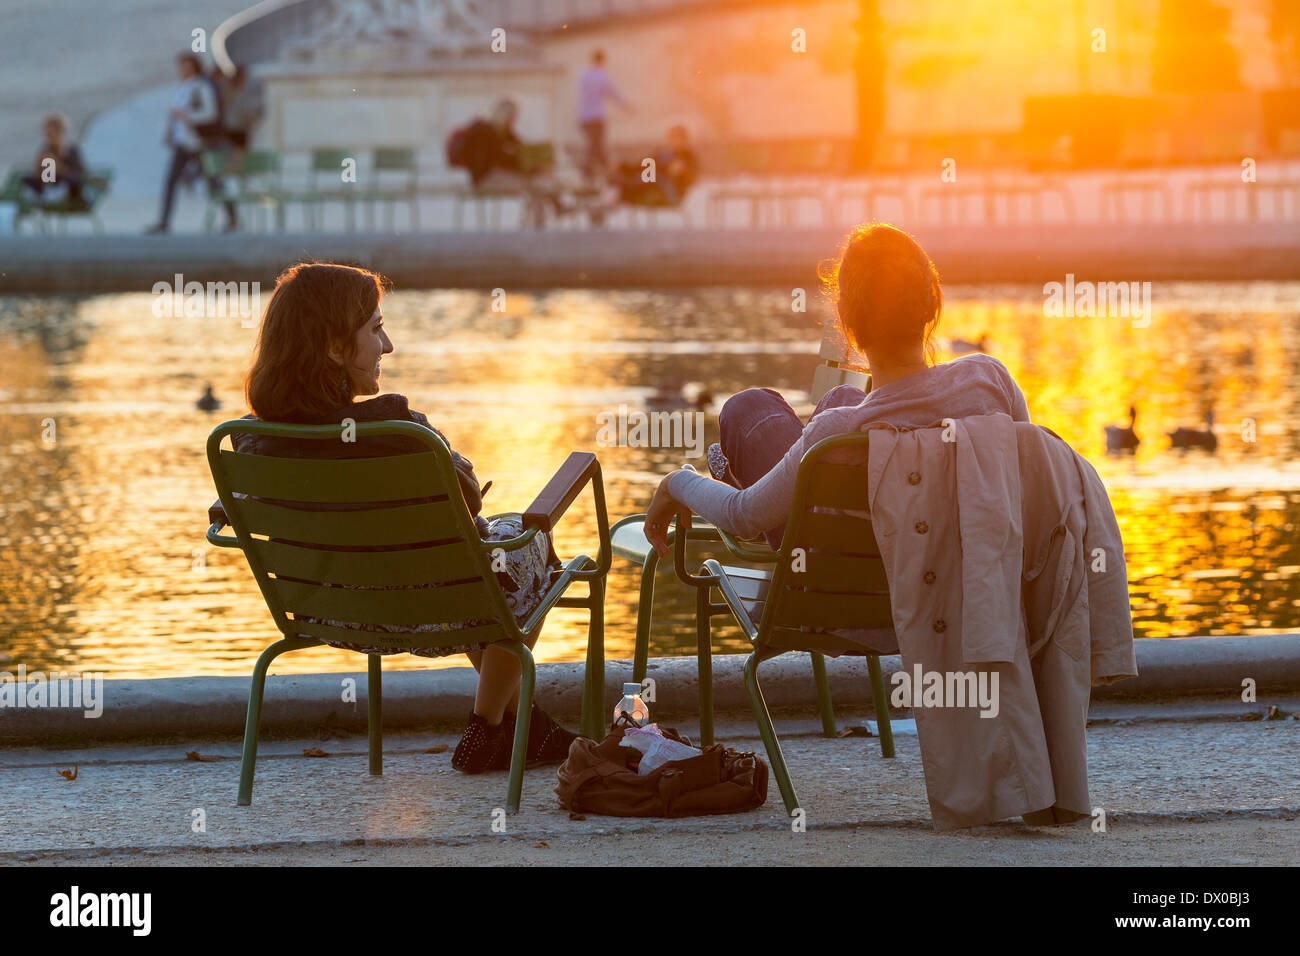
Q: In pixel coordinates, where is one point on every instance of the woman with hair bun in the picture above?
(888, 300)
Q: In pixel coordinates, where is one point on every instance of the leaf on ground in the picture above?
(314, 752)
(69, 774)
(855, 732)
(541, 845)
(195, 755)
(577, 816)
(436, 749)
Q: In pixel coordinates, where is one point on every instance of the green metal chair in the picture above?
(389, 541)
(14, 194)
(838, 367)
(257, 180)
(394, 178)
(534, 159)
(828, 576)
(93, 188)
(325, 184)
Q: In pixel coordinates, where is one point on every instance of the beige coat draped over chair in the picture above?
(1004, 559)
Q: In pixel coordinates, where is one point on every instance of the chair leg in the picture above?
(254, 719)
(704, 662)
(882, 706)
(375, 717)
(593, 688)
(527, 678)
(823, 695)
(644, 616)
(768, 733)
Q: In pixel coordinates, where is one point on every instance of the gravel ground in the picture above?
(1176, 788)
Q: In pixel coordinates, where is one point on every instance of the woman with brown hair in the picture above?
(888, 300)
(319, 350)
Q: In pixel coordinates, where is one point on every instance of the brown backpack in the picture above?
(596, 779)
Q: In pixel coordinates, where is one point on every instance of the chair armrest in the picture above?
(736, 548)
(564, 486)
(218, 520)
(741, 549)
(579, 469)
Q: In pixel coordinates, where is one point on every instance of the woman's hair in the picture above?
(315, 305)
(886, 291)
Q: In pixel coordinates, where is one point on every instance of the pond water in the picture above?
(103, 564)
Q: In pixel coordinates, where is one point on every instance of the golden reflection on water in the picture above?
(103, 565)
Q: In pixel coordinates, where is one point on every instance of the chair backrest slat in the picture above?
(838, 532)
(819, 609)
(400, 567)
(830, 574)
(392, 606)
(397, 638)
(402, 524)
(332, 479)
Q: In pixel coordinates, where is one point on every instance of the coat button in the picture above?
(929, 577)
(921, 527)
(914, 478)
(940, 626)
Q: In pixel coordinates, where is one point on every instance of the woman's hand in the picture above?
(661, 511)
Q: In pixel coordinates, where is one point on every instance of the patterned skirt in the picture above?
(525, 579)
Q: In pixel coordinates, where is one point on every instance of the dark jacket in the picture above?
(487, 148)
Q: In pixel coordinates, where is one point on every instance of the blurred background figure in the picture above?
(595, 87)
(676, 169)
(498, 161)
(490, 149)
(59, 169)
(242, 112)
(193, 124)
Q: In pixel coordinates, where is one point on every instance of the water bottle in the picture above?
(632, 706)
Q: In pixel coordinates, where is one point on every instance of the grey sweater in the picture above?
(971, 385)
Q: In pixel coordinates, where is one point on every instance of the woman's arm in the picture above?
(743, 512)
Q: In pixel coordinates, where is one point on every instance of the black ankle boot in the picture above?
(483, 747)
(548, 742)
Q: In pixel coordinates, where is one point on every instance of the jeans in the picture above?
(175, 171)
(594, 161)
(759, 427)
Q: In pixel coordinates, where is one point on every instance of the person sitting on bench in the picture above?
(676, 169)
(59, 171)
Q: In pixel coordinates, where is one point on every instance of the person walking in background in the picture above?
(59, 169)
(193, 120)
(244, 108)
(595, 87)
